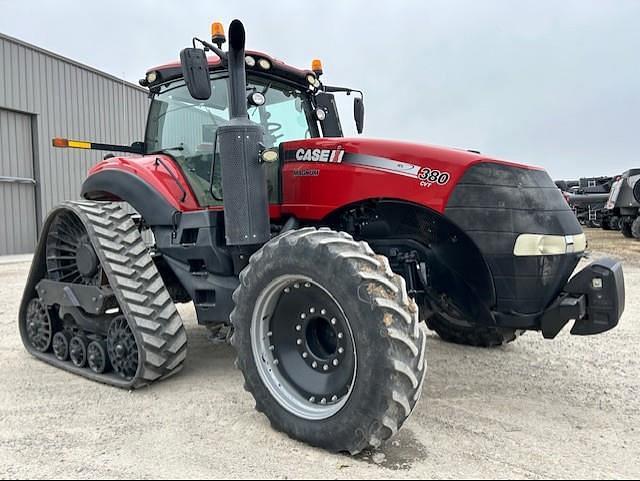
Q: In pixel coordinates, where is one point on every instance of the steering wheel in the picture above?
(272, 128)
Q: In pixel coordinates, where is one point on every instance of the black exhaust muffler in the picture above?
(244, 185)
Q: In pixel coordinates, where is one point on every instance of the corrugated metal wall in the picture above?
(66, 99)
(17, 189)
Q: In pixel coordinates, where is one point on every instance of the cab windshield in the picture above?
(186, 129)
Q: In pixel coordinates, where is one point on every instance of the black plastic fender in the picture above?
(116, 185)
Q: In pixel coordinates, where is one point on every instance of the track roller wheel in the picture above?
(328, 340)
(61, 345)
(97, 357)
(78, 351)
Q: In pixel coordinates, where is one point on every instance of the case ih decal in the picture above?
(425, 175)
(320, 155)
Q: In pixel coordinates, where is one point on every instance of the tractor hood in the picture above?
(406, 155)
(389, 168)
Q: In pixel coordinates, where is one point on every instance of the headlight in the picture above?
(320, 114)
(250, 61)
(264, 64)
(152, 77)
(549, 245)
(257, 99)
(311, 79)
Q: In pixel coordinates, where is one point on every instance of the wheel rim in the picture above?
(304, 348)
(39, 330)
(70, 255)
(78, 351)
(122, 348)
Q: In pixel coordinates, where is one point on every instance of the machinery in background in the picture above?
(623, 205)
(587, 198)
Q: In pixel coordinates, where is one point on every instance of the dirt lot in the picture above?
(569, 408)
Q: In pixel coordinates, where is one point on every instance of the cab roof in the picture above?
(173, 70)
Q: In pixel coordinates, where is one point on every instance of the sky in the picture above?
(549, 83)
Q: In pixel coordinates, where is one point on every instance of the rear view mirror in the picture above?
(358, 113)
(195, 69)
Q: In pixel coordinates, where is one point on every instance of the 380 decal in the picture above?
(428, 177)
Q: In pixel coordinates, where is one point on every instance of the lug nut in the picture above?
(276, 362)
(341, 350)
(334, 399)
(305, 355)
(307, 284)
(325, 367)
(323, 312)
(303, 316)
(336, 362)
(299, 342)
(312, 399)
(272, 348)
(334, 321)
(296, 286)
(323, 401)
(287, 290)
(314, 364)
(312, 310)
(269, 334)
(340, 335)
(298, 328)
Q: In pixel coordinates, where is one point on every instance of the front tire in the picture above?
(328, 340)
(627, 230)
(458, 331)
(635, 228)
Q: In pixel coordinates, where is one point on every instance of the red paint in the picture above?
(157, 176)
(312, 198)
(338, 185)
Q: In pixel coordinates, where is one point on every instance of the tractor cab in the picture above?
(288, 104)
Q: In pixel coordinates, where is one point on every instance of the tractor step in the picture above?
(146, 340)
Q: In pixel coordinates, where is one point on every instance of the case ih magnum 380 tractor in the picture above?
(320, 254)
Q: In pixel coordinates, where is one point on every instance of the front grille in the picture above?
(495, 203)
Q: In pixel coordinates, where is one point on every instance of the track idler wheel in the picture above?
(61, 345)
(122, 348)
(97, 357)
(38, 324)
(78, 351)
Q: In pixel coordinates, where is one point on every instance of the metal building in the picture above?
(44, 95)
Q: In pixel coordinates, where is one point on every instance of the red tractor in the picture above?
(318, 255)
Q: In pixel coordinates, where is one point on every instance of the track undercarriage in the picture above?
(96, 305)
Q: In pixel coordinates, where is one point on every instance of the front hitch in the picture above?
(594, 298)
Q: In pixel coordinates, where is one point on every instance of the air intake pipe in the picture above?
(244, 185)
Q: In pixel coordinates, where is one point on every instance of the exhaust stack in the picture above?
(244, 185)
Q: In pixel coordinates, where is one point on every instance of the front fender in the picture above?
(121, 186)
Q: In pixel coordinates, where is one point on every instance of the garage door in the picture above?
(17, 185)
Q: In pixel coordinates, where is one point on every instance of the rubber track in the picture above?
(140, 291)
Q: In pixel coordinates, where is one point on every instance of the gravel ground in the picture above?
(568, 408)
